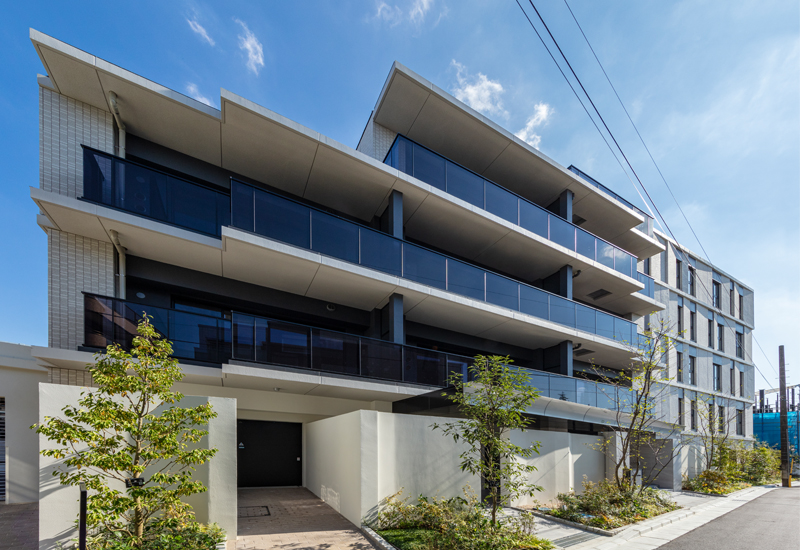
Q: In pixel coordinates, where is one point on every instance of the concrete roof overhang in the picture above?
(413, 106)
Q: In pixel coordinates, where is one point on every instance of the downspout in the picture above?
(112, 100)
(121, 252)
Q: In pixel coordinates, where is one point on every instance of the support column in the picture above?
(558, 358)
(562, 206)
(392, 219)
(392, 322)
(560, 282)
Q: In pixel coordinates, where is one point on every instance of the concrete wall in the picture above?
(58, 505)
(19, 380)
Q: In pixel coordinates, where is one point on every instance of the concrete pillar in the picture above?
(392, 219)
(562, 206)
(560, 282)
(392, 322)
(558, 358)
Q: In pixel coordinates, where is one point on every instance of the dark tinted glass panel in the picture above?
(562, 311)
(282, 220)
(97, 178)
(623, 262)
(605, 325)
(381, 252)
(244, 337)
(533, 302)
(144, 192)
(586, 318)
(605, 253)
(465, 279)
(423, 266)
(98, 321)
(334, 352)
(458, 366)
(584, 243)
(429, 167)
(193, 206)
(424, 367)
(465, 185)
(402, 156)
(381, 359)
(242, 206)
(502, 292)
(262, 340)
(533, 219)
(562, 232)
(333, 236)
(587, 393)
(288, 344)
(194, 336)
(563, 389)
(606, 396)
(501, 203)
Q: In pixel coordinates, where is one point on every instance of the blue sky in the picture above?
(714, 87)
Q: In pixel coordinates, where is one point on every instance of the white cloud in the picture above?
(392, 15)
(419, 9)
(414, 12)
(251, 46)
(194, 93)
(200, 30)
(541, 114)
(478, 91)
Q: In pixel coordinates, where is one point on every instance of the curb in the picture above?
(377, 540)
(576, 525)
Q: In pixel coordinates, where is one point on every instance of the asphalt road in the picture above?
(770, 522)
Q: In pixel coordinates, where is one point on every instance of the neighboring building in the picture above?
(330, 289)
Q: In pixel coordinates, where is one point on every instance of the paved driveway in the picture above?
(19, 526)
(297, 520)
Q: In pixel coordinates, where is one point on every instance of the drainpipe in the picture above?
(112, 100)
(121, 252)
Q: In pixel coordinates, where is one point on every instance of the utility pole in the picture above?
(786, 473)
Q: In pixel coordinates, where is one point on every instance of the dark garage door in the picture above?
(269, 453)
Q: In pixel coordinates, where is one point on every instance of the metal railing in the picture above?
(420, 162)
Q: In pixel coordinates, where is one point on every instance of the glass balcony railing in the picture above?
(244, 337)
(276, 217)
(649, 289)
(425, 165)
(138, 189)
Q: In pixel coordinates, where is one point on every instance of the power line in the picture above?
(679, 248)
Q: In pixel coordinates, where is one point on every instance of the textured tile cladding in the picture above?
(64, 125)
(382, 139)
(76, 264)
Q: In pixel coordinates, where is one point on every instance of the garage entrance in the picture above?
(269, 453)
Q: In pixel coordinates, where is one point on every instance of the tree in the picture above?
(130, 425)
(637, 412)
(713, 429)
(493, 404)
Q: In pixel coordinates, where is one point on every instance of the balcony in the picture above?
(282, 219)
(425, 165)
(143, 191)
(263, 341)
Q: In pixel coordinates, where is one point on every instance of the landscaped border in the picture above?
(376, 539)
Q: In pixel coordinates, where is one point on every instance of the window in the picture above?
(711, 333)
(740, 345)
(717, 377)
(693, 415)
(732, 304)
(733, 380)
(692, 370)
(646, 266)
(741, 307)
(678, 274)
(711, 423)
(739, 422)
(741, 384)
(692, 277)
(720, 337)
(680, 367)
(680, 321)
(693, 326)
(680, 412)
(717, 292)
(721, 419)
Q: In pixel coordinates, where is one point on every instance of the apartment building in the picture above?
(332, 291)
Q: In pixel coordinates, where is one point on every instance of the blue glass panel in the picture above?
(424, 367)
(562, 311)
(563, 388)
(458, 366)
(424, 266)
(562, 232)
(465, 280)
(429, 167)
(262, 340)
(533, 302)
(626, 399)
(465, 185)
(402, 156)
(381, 252)
(585, 243)
(587, 393)
(333, 236)
(98, 175)
(606, 396)
(381, 359)
(623, 262)
(242, 206)
(501, 203)
(587, 318)
(334, 352)
(622, 330)
(502, 292)
(244, 337)
(288, 344)
(605, 253)
(192, 206)
(282, 220)
(605, 325)
(533, 218)
(541, 382)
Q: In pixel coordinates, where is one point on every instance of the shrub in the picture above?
(713, 482)
(170, 535)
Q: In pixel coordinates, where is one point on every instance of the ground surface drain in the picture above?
(572, 540)
(253, 511)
